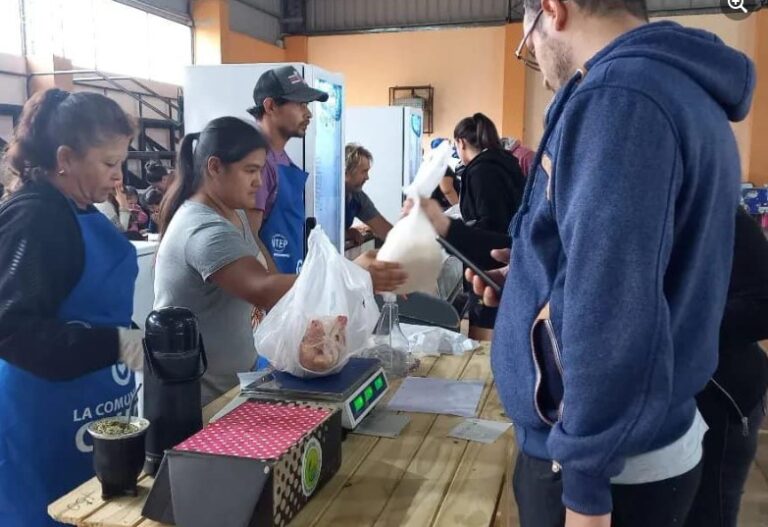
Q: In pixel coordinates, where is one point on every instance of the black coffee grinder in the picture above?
(174, 362)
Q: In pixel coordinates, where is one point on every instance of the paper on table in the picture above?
(438, 396)
(382, 424)
(479, 430)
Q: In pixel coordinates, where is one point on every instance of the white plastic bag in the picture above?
(324, 319)
(412, 241)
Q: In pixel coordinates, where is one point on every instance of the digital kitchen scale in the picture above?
(355, 390)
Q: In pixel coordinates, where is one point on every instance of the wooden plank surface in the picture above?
(376, 473)
(474, 492)
(367, 491)
(419, 494)
(353, 450)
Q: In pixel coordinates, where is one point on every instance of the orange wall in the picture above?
(242, 49)
(515, 73)
(215, 43)
(208, 16)
(465, 66)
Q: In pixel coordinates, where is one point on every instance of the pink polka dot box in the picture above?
(260, 464)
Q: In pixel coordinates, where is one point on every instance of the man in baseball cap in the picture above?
(281, 106)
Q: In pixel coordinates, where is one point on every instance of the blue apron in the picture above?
(44, 449)
(283, 230)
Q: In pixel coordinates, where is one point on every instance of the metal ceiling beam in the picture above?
(324, 17)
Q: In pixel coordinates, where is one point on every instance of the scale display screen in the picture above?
(369, 394)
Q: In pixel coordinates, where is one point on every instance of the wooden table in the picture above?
(421, 478)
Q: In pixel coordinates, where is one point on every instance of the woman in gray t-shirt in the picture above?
(208, 257)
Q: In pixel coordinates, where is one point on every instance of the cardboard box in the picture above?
(258, 465)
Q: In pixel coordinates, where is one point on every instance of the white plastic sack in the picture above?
(412, 241)
(324, 319)
(434, 341)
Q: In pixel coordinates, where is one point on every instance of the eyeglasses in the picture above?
(529, 59)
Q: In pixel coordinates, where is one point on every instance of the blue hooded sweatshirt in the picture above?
(626, 235)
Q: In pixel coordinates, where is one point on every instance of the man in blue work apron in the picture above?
(282, 98)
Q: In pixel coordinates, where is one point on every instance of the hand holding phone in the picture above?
(481, 280)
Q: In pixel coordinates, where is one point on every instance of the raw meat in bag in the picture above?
(324, 319)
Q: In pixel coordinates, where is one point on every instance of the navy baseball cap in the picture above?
(285, 83)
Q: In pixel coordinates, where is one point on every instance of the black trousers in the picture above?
(538, 492)
(728, 457)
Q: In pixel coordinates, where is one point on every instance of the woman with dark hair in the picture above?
(152, 201)
(491, 191)
(67, 298)
(158, 176)
(208, 260)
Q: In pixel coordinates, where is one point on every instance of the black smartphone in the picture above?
(484, 276)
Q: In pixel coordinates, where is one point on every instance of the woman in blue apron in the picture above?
(66, 299)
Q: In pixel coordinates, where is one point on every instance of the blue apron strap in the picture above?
(283, 230)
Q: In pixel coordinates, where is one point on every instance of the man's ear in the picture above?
(269, 105)
(557, 10)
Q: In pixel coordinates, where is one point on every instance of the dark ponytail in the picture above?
(227, 138)
(479, 131)
(54, 118)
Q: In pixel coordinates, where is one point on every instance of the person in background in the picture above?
(208, 259)
(159, 178)
(733, 403)
(281, 107)
(491, 191)
(131, 179)
(609, 318)
(152, 200)
(67, 299)
(139, 218)
(116, 208)
(523, 154)
(358, 205)
(447, 192)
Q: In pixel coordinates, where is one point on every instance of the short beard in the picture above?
(560, 55)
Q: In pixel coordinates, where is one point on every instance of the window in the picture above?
(172, 49)
(10, 27)
(109, 36)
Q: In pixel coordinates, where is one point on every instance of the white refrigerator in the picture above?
(393, 135)
(227, 90)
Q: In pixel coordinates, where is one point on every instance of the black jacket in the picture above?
(42, 257)
(743, 366)
(491, 192)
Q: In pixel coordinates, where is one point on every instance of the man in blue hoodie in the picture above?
(608, 325)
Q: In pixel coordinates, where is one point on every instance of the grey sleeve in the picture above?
(214, 245)
(368, 210)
